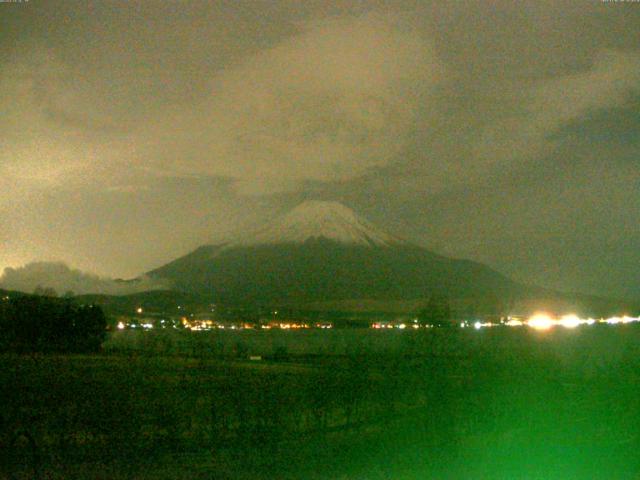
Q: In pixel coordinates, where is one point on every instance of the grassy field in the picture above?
(441, 404)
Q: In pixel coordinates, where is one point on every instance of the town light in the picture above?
(540, 321)
(570, 321)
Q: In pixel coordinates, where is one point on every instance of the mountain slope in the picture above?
(323, 251)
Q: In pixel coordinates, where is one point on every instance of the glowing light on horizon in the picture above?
(570, 321)
(616, 320)
(478, 325)
(540, 321)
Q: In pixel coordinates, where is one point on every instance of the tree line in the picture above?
(36, 323)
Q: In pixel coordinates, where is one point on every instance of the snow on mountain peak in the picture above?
(315, 219)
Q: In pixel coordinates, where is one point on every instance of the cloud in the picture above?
(61, 278)
(485, 134)
(55, 134)
(328, 104)
(552, 104)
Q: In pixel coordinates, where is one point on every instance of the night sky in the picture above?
(505, 132)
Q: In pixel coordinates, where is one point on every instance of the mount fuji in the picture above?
(325, 252)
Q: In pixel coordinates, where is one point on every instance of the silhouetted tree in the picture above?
(89, 328)
(45, 291)
(436, 312)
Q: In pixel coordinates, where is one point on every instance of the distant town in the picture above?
(196, 322)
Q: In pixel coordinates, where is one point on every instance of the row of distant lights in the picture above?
(400, 326)
(207, 325)
(542, 321)
(145, 326)
(539, 321)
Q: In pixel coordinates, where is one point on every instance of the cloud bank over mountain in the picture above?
(61, 278)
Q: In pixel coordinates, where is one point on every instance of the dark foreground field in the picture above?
(442, 404)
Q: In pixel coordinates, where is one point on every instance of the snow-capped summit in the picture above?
(314, 219)
(284, 263)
